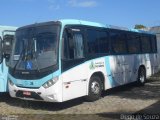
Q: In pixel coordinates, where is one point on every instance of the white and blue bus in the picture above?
(6, 40)
(66, 59)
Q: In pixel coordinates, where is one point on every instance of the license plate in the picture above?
(27, 93)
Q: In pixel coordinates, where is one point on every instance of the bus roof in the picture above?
(7, 27)
(95, 24)
(2, 28)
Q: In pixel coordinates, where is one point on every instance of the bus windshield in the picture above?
(36, 47)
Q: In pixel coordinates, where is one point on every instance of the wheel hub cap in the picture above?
(95, 87)
(142, 77)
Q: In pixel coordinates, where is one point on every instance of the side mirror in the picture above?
(1, 51)
(7, 45)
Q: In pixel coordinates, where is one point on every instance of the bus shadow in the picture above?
(151, 90)
(119, 89)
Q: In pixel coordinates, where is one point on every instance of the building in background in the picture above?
(156, 30)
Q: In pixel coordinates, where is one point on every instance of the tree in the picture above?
(139, 26)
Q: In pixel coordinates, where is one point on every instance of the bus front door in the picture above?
(74, 73)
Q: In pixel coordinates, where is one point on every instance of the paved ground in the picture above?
(125, 100)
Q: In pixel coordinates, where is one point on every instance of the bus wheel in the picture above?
(141, 76)
(95, 89)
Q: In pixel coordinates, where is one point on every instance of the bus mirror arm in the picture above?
(6, 56)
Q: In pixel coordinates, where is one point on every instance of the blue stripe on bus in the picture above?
(113, 82)
(33, 83)
(3, 77)
(108, 70)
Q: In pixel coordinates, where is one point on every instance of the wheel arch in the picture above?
(102, 77)
(139, 81)
(142, 66)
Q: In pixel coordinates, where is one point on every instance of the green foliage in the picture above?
(139, 26)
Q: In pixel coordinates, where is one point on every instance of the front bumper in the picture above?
(51, 94)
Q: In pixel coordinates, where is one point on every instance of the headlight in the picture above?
(50, 82)
(10, 82)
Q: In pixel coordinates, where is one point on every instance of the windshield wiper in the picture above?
(21, 57)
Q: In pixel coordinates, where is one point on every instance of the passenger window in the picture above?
(118, 42)
(78, 46)
(154, 44)
(92, 41)
(133, 43)
(65, 53)
(98, 41)
(73, 47)
(103, 42)
(146, 45)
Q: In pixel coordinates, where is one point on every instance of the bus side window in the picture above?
(92, 41)
(133, 41)
(154, 44)
(118, 43)
(73, 46)
(78, 46)
(65, 53)
(146, 44)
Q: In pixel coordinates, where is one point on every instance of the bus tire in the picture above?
(95, 89)
(141, 76)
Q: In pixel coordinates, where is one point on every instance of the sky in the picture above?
(125, 13)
